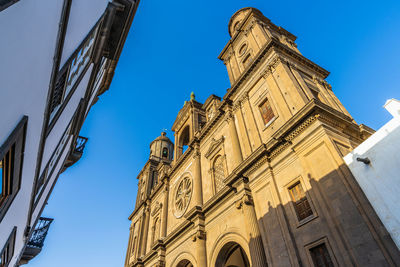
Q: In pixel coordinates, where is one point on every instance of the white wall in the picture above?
(28, 31)
(380, 180)
(84, 15)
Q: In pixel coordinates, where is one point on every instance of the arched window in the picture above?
(184, 139)
(219, 173)
(184, 263)
(154, 179)
(165, 152)
(232, 255)
(156, 230)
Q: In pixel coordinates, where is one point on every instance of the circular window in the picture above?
(242, 49)
(182, 196)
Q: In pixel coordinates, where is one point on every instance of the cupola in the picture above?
(162, 148)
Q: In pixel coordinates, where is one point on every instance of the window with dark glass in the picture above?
(266, 111)
(300, 201)
(320, 256)
(165, 152)
(11, 153)
(7, 252)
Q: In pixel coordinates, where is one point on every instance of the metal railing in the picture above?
(40, 233)
(80, 144)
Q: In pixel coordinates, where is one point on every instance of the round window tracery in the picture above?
(182, 196)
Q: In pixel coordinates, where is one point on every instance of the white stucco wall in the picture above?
(84, 15)
(380, 180)
(28, 31)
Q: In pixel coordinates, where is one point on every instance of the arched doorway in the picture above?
(232, 255)
(184, 263)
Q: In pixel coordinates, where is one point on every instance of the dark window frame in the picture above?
(16, 144)
(5, 4)
(270, 119)
(302, 206)
(65, 70)
(7, 252)
(325, 255)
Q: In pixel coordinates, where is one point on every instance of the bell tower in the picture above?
(260, 50)
(188, 122)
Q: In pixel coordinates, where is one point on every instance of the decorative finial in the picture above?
(192, 96)
(184, 103)
(164, 132)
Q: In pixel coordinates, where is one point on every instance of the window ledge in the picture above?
(269, 123)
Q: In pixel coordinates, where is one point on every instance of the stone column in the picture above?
(145, 230)
(165, 210)
(197, 184)
(257, 253)
(237, 152)
(201, 254)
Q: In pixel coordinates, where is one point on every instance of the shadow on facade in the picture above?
(340, 229)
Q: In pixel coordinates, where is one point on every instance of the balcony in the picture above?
(77, 152)
(35, 243)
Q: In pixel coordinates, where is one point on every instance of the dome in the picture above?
(162, 147)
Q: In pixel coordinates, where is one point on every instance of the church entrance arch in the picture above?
(184, 263)
(232, 255)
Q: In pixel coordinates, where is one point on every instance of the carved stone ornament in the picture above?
(199, 235)
(182, 196)
(157, 207)
(246, 199)
(214, 145)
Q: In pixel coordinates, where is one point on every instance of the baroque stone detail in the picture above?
(183, 196)
(214, 145)
(156, 209)
(301, 128)
(229, 116)
(246, 199)
(250, 27)
(271, 66)
(196, 154)
(257, 165)
(199, 235)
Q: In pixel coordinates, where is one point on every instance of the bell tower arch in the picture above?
(188, 122)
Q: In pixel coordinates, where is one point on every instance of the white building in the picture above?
(56, 58)
(375, 164)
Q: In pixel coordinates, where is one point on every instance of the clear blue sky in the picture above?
(172, 50)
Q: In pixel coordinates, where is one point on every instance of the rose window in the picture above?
(182, 196)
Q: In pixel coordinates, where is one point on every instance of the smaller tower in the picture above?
(161, 151)
(162, 148)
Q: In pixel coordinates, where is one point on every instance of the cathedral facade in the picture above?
(257, 178)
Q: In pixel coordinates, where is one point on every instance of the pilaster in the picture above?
(237, 152)
(246, 205)
(198, 190)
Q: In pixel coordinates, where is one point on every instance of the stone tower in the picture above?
(258, 177)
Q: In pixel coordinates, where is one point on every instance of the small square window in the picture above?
(320, 256)
(300, 201)
(11, 155)
(6, 165)
(266, 111)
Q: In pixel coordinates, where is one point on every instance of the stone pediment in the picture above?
(214, 145)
